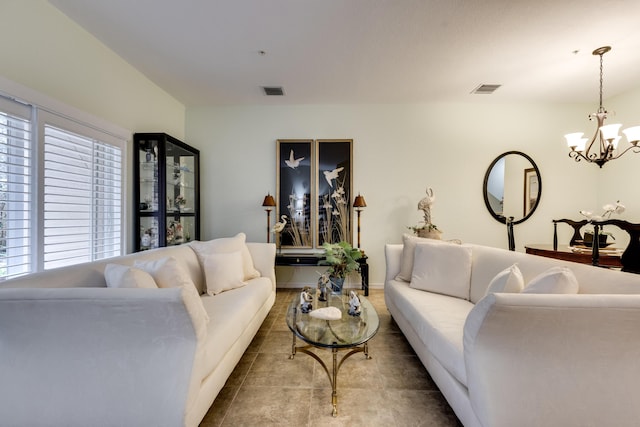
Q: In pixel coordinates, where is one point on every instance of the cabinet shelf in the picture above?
(165, 168)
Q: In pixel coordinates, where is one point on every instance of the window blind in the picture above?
(82, 198)
(15, 189)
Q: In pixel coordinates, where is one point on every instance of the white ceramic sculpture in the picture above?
(327, 313)
(305, 300)
(354, 304)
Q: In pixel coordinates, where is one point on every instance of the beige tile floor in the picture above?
(269, 389)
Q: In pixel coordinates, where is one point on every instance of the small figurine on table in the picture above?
(305, 300)
(354, 304)
(323, 282)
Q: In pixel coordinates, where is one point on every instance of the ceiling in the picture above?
(208, 52)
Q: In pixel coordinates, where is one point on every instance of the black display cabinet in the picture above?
(166, 191)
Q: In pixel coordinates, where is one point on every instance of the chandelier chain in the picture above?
(601, 74)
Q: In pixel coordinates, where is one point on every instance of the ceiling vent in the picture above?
(485, 89)
(273, 90)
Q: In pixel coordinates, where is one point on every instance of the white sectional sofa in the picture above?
(74, 352)
(519, 359)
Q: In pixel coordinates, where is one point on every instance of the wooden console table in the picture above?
(583, 257)
(310, 259)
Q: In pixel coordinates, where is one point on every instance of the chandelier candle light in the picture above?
(607, 137)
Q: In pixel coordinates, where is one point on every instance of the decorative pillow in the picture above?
(509, 280)
(556, 280)
(168, 273)
(223, 272)
(123, 276)
(408, 251)
(443, 268)
(226, 245)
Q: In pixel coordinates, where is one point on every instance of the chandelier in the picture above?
(604, 144)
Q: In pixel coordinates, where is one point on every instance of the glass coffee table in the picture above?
(347, 333)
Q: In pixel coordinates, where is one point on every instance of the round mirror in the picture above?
(512, 187)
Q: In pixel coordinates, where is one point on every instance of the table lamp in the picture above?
(358, 205)
(268, 204)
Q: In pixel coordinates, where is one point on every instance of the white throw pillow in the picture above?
(168, 273)
(509, 280)
(223, 272)
(123, 276)
(556, 280)
(408, 251)
(444, 268)
(226, 245)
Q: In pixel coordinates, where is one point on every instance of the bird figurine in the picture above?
(354, 304)
(293, 162)
(331, 175)
(279, 226)
(425, 205)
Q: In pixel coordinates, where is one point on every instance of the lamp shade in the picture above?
(632, 134)
(359, 202)
(573, 139)
(609, 132)
(269, 201)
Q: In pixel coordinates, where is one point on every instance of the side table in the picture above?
(311, 260)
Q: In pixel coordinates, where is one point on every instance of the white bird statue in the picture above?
(425, 205)
(279, 226)
(293, 162)
(331, 175)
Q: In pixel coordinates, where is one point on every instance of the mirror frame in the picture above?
(500, 218)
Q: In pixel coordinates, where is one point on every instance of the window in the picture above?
(16, 168)
(81, 199)
(72, 211)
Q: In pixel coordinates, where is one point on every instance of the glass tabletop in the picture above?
(348, 331)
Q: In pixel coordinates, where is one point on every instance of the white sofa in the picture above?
(75, 353)
(518, 359)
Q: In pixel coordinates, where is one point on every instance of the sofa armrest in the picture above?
(264, 259)
(94, 356)
(535, 360)
(393, 259)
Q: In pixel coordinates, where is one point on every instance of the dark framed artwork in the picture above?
(295, 183)
(530, 189)
(333, 195)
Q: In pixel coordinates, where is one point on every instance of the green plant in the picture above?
(423, 226)
(341, 257)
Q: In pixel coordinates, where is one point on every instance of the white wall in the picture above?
(48, 57)
(399, 150)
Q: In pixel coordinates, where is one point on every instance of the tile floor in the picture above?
(269, 389)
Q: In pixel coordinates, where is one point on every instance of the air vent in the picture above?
(485, 89)
(273, 90)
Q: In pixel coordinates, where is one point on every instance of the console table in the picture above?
(310, 259)
(565, 253)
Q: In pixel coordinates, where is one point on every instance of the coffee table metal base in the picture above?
(333, 375)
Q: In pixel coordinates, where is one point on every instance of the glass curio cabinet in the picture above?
(167, 191)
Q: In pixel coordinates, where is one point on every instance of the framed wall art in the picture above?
(295, 184)
(530, 189)
(334, 190)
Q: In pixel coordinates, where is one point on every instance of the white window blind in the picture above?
(61, 190)
(82, 198)
(16, 161)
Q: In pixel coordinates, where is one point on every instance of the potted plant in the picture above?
(608, 209)
(426, 230)
(342, 259)
(602, 238)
